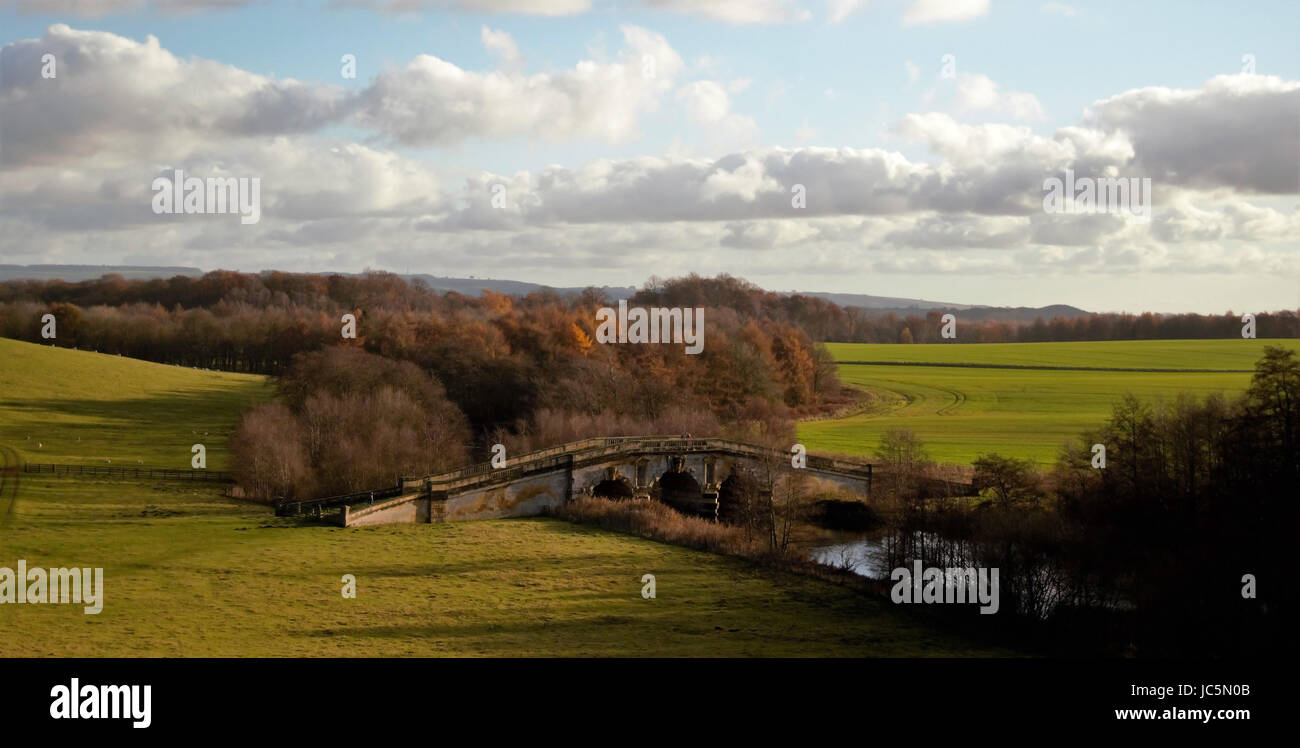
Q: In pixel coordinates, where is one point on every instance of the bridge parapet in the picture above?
(532, 482)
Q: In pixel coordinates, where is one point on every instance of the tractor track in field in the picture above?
(958, 400)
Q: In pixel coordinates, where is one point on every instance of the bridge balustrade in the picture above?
(567, 454)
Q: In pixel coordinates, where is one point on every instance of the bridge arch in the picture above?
(679, 489)
(616, 487)
(736, 495)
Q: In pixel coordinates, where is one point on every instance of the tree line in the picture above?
(825, 321)
(248, 321)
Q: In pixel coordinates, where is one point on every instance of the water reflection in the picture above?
(1035, 585)
(867, 556)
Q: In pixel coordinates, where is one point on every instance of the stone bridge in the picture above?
(692, 471)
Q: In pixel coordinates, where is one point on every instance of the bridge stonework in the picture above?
(539, 482)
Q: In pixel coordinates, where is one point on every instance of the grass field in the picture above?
(1119, 354)
(190, 573)
(963, 411)
(66, 406)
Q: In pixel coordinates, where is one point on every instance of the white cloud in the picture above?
(82, 150)
(767, 234)
(1182, 219)
(432, 101)
(943, 11)
(124, 100)
(527, 7)
(708, 104)
(961, 231)
(97, 8)
(979, 92)
(501, 44)
(737, 11)
(743, 181)
(706, 101)
(838, 10)
(532, 7)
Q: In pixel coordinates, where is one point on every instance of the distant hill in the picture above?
(876, 305)
(475, 286)
(890, 303)
(74, 273)
(1024, 313)
(882, 305)
(984, 313)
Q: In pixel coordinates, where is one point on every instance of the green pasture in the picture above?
(961, 412)
(1122, 354)
(67, 406)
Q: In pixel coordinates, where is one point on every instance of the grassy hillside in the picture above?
(962, 412)
(189, 573)
(67, 406)
(1120, 354)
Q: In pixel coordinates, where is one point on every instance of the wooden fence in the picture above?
(116, 471)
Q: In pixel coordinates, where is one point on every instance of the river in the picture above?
(861, 555)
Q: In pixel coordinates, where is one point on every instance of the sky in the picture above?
(887, 147)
